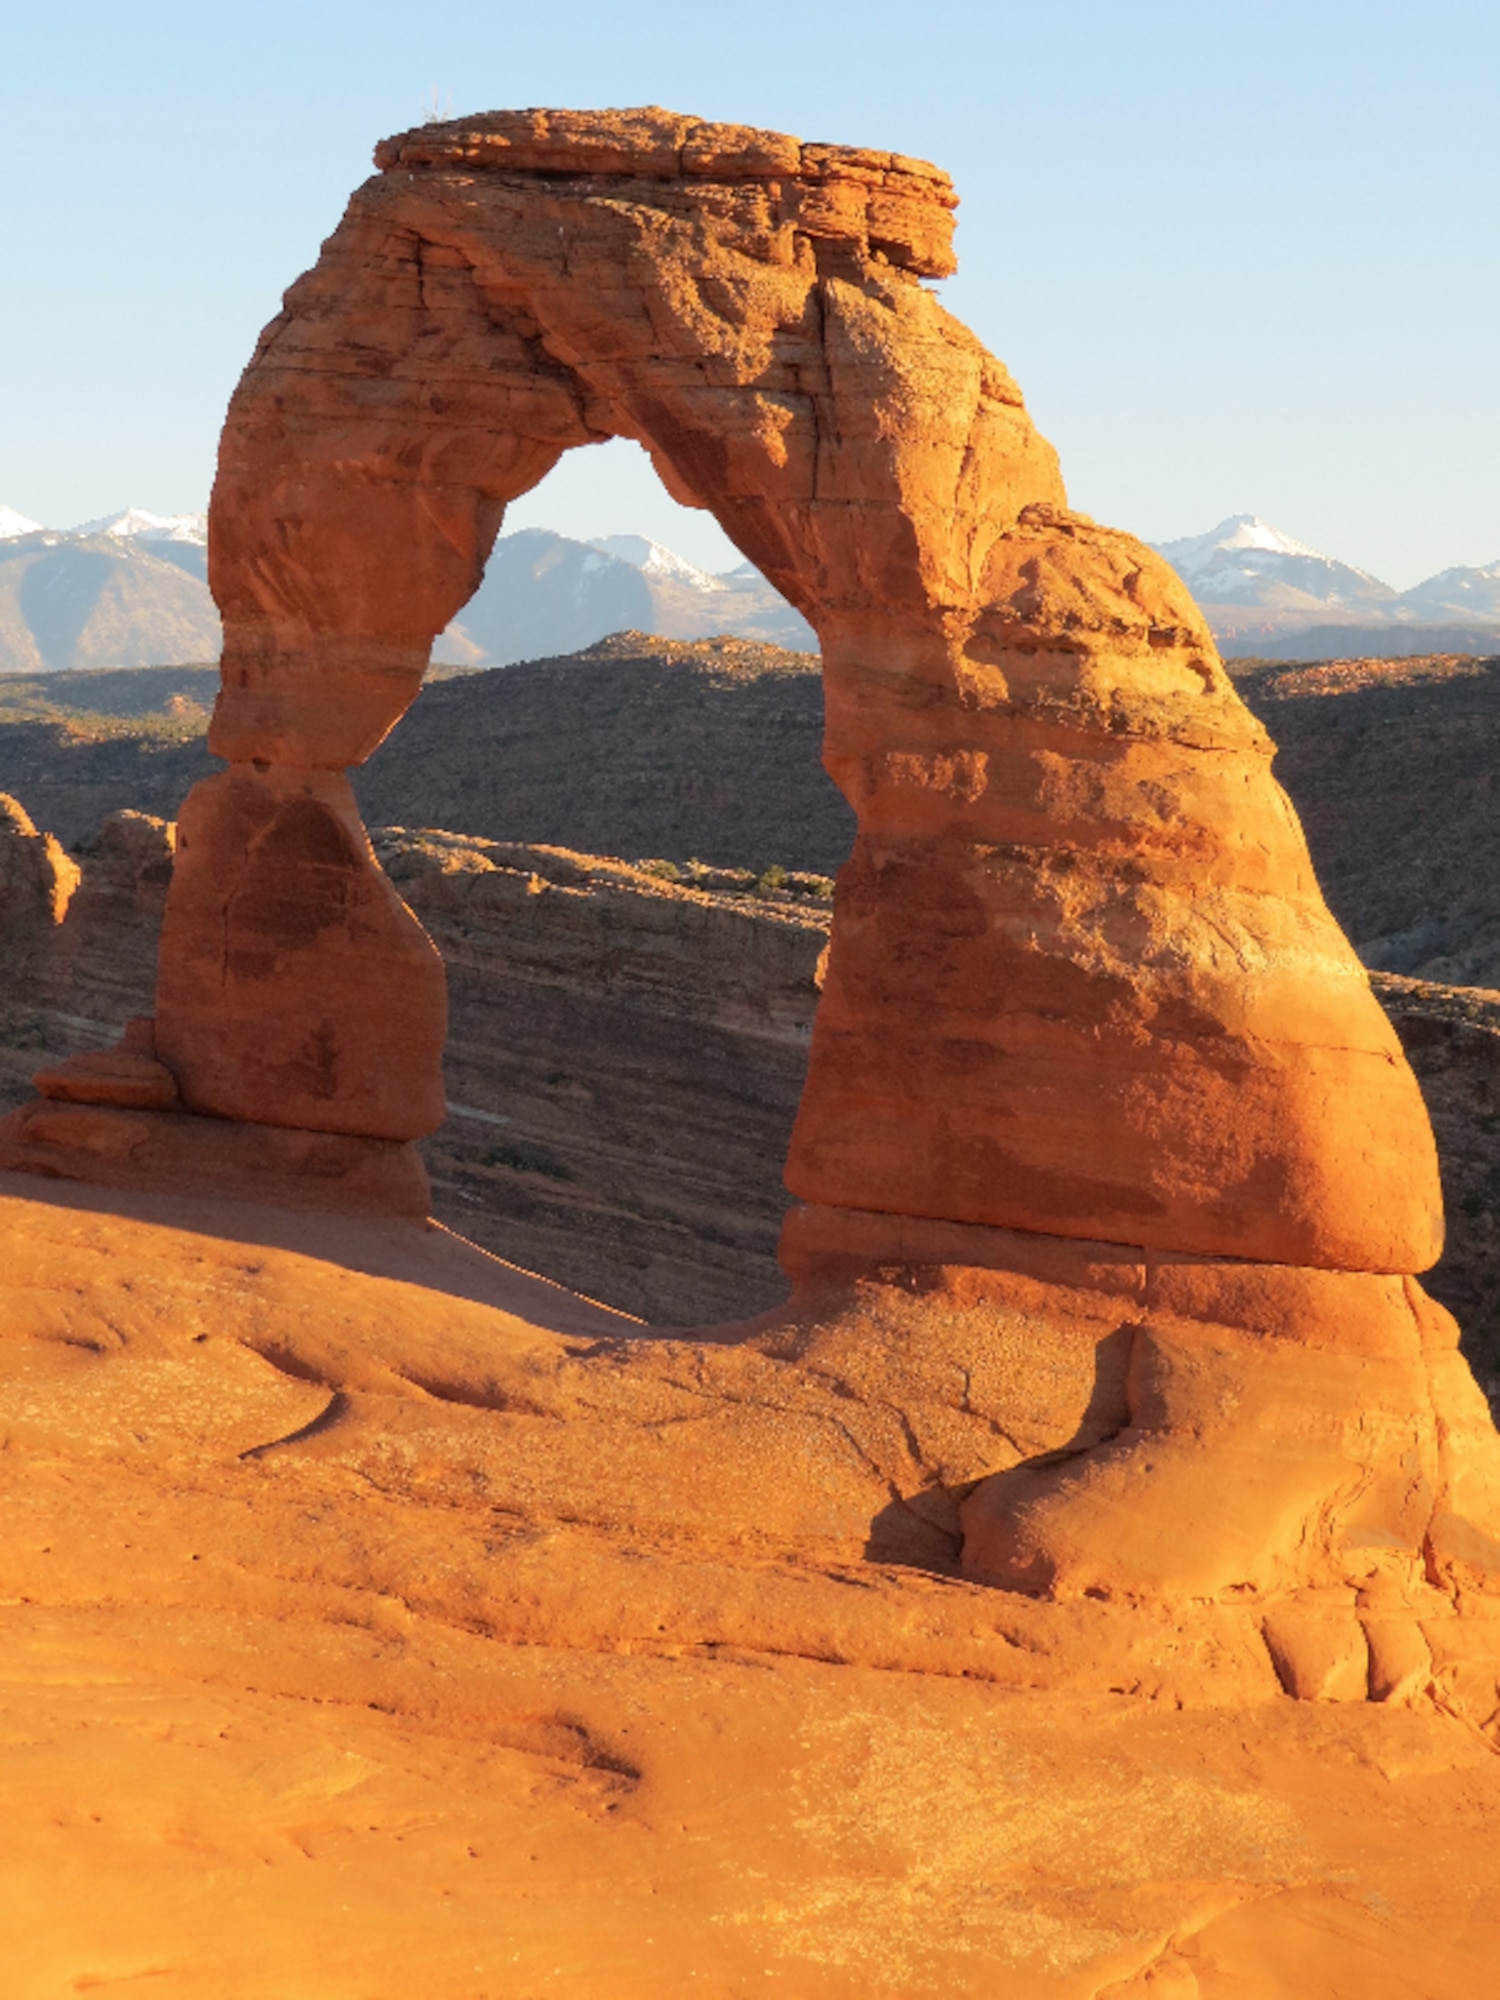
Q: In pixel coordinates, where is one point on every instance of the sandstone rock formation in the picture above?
(588, 997)
(1115, 1182)
(37, 881)
(1061, 800)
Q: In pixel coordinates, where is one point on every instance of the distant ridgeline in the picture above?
(1269, 596)
(130, 591)
(710, 750)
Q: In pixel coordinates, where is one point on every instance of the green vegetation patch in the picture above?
(775, 883)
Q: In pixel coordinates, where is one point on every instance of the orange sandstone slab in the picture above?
(286, 1712)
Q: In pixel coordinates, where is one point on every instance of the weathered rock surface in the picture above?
(37, 881)
(300, 989)
(361, 1599)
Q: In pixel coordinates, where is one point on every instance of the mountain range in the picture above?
(130, 589)
(544, 594)
(1263, 592)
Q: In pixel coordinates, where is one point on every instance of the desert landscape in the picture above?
(574, 1014)
(469, 1535)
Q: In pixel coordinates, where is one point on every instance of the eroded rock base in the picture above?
(1305, 1448)
(1165, 1500)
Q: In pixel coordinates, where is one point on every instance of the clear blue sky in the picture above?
(1240, 258)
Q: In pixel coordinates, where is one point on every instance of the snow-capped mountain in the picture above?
(545, 595)
(83, 599)
(137, 525)
(1263, 591)
(1456, 593)
(652, 560)
(1245, 561)
(129, 589)
(180, 539)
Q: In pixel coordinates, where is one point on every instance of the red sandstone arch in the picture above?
(1082, 979)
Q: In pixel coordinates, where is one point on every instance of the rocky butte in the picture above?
(1086, 1584)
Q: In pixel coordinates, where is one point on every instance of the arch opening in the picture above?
(599, 547)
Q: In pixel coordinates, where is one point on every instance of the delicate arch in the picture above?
(1082, 980)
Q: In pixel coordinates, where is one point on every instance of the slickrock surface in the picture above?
(377, 1621)
(1106, 1372)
